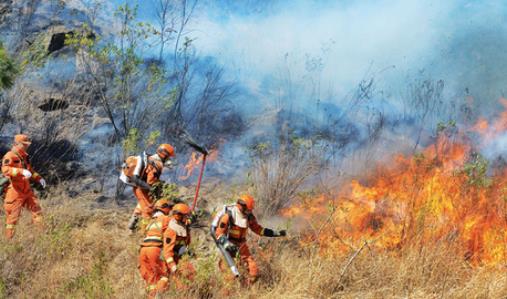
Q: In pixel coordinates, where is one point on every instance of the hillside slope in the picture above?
(85, 251)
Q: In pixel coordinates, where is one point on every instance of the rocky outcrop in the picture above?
(21, 21)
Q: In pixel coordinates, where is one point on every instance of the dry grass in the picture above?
(85, 251)
(278, 174)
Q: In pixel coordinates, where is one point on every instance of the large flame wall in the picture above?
(445, 193)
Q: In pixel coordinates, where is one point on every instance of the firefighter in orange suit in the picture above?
(176, 242)
(143, 175)
(231, 229)
(152, 267)
(16, 166)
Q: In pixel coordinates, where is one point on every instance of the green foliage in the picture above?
(206, 278)
(121, 68)
(260, 149)
(152, 138)
(3, 289)
(57, 239)
(476, 172)
(130, 143)
(36, 55)
(83, 39)
(442, 126)
(206, 269)
(161, 190)
(8, 69)
(157, 78)
(171, 98)
(300, 142)
(170, 191)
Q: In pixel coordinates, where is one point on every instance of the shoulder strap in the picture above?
(231, 219)
(145, 160)
(152, 163)
(141, 166)
(251, 217)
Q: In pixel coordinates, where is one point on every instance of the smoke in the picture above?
(337, 42)
(297, 54)
(347, 70)
(309, 57)
(327, 47)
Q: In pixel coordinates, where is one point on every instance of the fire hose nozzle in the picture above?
(235, 271)
(227, 256)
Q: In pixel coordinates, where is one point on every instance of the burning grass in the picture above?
(416, 199)
(86, 252)
(446, 194)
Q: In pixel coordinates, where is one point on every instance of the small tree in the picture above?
(130, 89)
(8, 73)
(8, 69)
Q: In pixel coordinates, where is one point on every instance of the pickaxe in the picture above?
(191, 142)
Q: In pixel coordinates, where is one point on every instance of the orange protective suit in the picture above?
(236, 230)
(150, 174)
(176, 240)
(151, 265)
(19, 194)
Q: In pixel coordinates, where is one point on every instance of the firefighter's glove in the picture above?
(227, 245)
(231, 248)
(42, 182)
(26, 173)
(271, 233)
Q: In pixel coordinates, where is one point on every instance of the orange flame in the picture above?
(489, 131)
(195, 160)
(430, 197)
(481, 126)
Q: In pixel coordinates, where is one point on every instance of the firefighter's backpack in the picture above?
(131, 166)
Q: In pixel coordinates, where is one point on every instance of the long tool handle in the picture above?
(199, 181)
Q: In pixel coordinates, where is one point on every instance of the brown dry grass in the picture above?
(86, 252)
